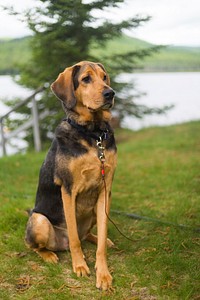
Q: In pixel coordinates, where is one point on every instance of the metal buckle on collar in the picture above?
(101, 155)
(101, 149)
(99, 143)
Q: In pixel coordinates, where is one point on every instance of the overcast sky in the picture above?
(174, 22)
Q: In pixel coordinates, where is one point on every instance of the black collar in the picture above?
(97, 134)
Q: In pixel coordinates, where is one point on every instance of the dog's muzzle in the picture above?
(108, 95)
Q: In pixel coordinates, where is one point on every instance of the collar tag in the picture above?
(105, 134)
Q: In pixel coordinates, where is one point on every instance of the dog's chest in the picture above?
(87, 169)
(88, 181)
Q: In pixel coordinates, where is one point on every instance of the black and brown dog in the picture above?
(74, 191)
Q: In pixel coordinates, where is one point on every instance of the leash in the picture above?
(149, 219)
(105, 190)
(102, 159)
(130, 215)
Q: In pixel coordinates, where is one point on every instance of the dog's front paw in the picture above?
(81, 269)
(103, 279)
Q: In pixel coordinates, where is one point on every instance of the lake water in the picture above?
(9, 89)
(180, 89)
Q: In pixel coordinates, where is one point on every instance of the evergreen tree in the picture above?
(65, 32)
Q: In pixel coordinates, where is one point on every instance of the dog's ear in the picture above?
(63, 86)
(107, 76)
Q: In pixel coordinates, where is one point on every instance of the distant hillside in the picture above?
(174, 58)
(169, 58)
(17, 51)
(12, 53)
(122, 45)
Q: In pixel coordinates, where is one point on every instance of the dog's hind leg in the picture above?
(92, 238)
(41, 237)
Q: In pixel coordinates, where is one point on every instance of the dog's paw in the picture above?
(81, 269)
(48, 256)
(103, 279)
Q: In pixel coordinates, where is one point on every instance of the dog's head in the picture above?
(85, 84)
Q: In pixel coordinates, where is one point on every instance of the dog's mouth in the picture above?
(105, 106)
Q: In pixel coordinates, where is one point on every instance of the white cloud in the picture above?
(173, 21)
(11, 26)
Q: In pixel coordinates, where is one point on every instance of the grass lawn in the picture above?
(158, 176)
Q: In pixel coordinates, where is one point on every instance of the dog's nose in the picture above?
(108, 94)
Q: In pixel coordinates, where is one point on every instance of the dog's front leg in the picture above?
(78, 262)
(103, 277)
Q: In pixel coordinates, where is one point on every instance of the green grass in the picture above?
(157, 176)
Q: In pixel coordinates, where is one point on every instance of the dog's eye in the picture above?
(86, 79)
(104, 78)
